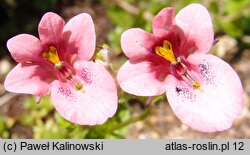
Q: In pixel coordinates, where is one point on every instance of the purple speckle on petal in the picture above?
(185, 93)
(86, 75)
(67, 93)
(178, 89)
(206, 73)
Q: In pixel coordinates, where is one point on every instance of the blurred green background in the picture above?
(20, 117)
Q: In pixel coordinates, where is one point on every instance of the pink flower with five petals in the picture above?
(82, 91)
(204, 92)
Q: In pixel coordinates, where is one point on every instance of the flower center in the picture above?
(166, 52)
(51, 55)
(181, 69)
(63, 70)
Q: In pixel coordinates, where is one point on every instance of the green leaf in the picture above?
(231, 29)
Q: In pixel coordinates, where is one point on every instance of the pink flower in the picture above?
(82, 91)
(204, 92)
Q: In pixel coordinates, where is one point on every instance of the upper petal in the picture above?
(96, 104)
(145, 78)
(137, 43)
(79, 36)
(25, 48)
(50, 29)
(28, 79)
(196, 24)
(217, 104)
(163, 22)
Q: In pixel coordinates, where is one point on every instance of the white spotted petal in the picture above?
(95, 103)
(219, 101)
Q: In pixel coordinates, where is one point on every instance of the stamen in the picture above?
(166, 52)
(188, 77)
(62, 69)
(65, 72)
(196, 85)
(78, 85)
(181, 69)
(191, 80)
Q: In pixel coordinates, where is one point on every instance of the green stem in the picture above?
(93, 129)
(138, 118)
(131, 120)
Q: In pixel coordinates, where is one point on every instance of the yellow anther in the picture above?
(78, 86)
(196, 85)
(166, 51)
(51, 55)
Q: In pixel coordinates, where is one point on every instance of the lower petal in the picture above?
(92, 105)
(28, 79)
(145, 78)
(216, 104)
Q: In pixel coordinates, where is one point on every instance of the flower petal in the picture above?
(219, 101)
(79, 36)
(145, 78)
(163, 21)
(28, 79)
(50, 29)
(93, 106)
(137, 43)
(25, 47)
(195, 22)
